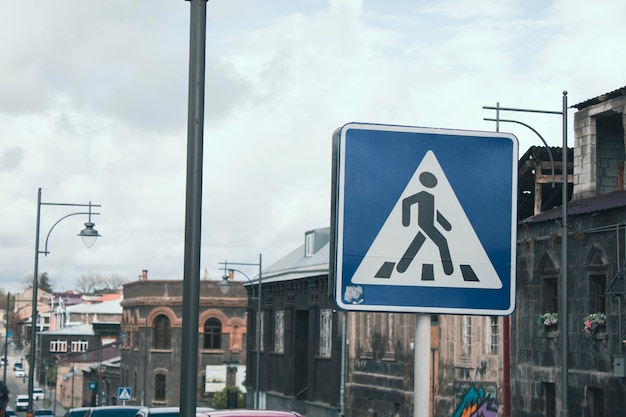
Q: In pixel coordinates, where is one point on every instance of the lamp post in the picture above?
(89, 236)
(225, 285)
(563, 296)
(6, 335)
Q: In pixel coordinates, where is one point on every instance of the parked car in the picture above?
(43, 412)
(21, 402)
(3, 360)
(167, 411)
(17, 365)
(113, 411)
(10, 412)
(249, 413)
(77, 412)
(19, 373)
(37, 394)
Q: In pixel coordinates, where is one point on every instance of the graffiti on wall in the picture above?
(473, 400)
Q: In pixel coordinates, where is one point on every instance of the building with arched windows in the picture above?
(152, 334)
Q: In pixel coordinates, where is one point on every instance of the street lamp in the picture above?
(563, 297)
(225, 285)
(89, 236)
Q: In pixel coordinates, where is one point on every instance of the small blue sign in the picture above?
(123, 393)
(93, 385)
(424, 220)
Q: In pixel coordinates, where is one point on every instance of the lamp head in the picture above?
(224, 284)
(89, 234)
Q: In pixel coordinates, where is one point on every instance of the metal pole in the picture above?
(33, 338)
(257, 398)
(73, 372)
(56, 376)
(342, 379)
(145, 369)
(563, 319)
(40, 349)
(421, 366)
(193, 210)
(6, 335)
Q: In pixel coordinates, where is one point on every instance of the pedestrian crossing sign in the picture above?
(123, 393)
(423, 220)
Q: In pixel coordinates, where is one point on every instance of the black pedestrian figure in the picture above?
(426, 222)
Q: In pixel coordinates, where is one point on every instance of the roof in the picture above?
(615, 199)
(296, 265)
(601, 98)
(107, 307)
(108, 297)
(79, 330)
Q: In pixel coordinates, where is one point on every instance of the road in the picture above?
(19, 386)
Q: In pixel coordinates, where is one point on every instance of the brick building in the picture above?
(152, 326)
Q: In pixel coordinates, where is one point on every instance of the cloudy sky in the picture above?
(93, 107)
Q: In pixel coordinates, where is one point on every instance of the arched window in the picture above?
(159, 387)
(212, 334)
(162, 333)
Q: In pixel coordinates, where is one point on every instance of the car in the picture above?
(167, 411)
(19, 373)
(21, 402)
(10, 412)
(37, 394)
(3, 361)
(44, 412)
(77, 412)
(17, 365)
(249, 413)
(113, 411)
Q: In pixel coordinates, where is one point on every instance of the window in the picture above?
(598, 294)
(162, 333)
(261, 325)
(549, 405)
(58, 346)
(326, 316)
(552, 295)
(212, 334)
(79, 345)
(491, 335)
(466, 336)
(135, 383)
(309, 245)
(595, 402)
(279, 332)
(159, 387)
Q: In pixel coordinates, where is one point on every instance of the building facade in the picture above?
(152, 333)
(323, 362)
(595, 260)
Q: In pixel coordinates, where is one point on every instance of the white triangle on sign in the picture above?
(470, 266)
(125, 395)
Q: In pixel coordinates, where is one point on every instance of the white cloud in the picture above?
(94, 106)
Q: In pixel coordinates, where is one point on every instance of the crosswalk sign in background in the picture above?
(424, 220)
(124, 393)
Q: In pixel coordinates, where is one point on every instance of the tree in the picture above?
(96, 283)
(86, 284)
(44, 283)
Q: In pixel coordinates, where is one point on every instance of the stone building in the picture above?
(474, 350)
(323, 362)
(596, 254)
(152, 332)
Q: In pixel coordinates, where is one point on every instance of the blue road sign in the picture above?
(124, 393)
(424, 220)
